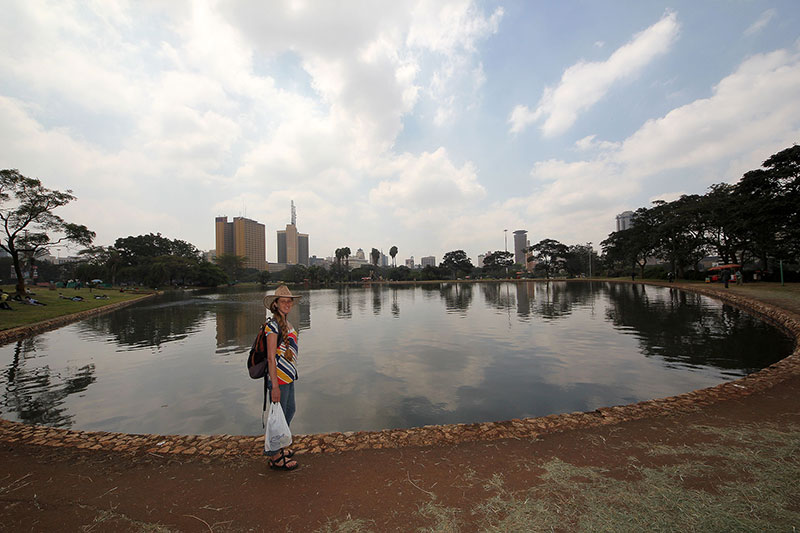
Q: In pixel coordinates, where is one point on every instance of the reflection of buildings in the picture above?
(237, 325)
(242, 237)
(292, 246)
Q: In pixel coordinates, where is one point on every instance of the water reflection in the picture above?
(458, 352)
(457, 297)
(35, 393)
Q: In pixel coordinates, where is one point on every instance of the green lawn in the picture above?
(24, 314)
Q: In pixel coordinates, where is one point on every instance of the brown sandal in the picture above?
(282, 463)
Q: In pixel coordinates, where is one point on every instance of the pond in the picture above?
(384, 357)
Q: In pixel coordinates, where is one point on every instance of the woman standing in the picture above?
(281, 365)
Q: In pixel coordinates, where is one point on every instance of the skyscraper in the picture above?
(243, 237)
(624, 220)
(292, 246)
(520, 245)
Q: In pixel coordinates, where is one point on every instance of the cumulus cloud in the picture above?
(586, 83)
(426, 184)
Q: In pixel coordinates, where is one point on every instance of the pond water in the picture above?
(384, 357)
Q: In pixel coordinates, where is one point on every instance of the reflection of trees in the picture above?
(457, 296)
(683, 329)
(377, 299)
(343, 303)
(37, 394)
(395, 304)
(498, 295)
(166, 320)
(551, 300)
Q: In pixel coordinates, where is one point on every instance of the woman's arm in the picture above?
(272, 366)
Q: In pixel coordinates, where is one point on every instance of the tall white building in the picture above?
(624, 220)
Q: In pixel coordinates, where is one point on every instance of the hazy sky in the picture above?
(431, 126)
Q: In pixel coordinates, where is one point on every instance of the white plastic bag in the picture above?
(278, 434)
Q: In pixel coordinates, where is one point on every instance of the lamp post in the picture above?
(589, 244)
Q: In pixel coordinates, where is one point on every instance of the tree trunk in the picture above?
(18, 271)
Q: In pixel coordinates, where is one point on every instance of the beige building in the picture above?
(243, 237)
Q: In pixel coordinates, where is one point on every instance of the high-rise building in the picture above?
(520, 246)
(292, 246)
(624, 220)
(243, 237)
(428, 261)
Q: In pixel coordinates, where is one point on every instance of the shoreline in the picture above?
(436, 435)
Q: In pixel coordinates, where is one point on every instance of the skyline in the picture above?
(430, 126)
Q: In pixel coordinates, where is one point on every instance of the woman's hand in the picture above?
(275, 395)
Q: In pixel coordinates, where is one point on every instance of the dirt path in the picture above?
(733, 465)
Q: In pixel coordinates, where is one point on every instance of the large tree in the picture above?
(393, 253)
(375, 255)
(29, 224)
(550, 255)
(497, 263)
(457, 262)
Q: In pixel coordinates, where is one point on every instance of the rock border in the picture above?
(232, 445)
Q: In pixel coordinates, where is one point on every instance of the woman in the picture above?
(281, 361)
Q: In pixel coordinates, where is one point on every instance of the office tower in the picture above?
(624, 220)
(243, 237)
(520, 245)
(428, 261)
(292, 246)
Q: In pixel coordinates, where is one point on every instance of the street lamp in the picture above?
(589, 244)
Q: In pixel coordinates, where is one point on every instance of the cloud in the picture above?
(426, 184)
(584, 84)
(762, 22)
(752, 113)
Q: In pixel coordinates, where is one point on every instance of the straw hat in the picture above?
(281, 292)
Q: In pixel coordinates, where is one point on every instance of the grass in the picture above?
(23, 315)
(748, 477)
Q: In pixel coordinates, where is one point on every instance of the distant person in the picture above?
(633, 275)
(739, 278)
(670, 277)
(281, 366)
(4, 301)
(32, 301)
(726, 277)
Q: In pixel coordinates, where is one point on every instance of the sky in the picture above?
(428, 125)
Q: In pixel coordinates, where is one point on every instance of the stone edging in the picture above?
(231, 445)
(21, 332)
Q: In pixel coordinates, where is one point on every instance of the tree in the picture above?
(29, 222)
(496, 263)
(457, 262)
(550, 254)
(578, 258)
(375, 255)
(208, 275)
(393, 253)
(346, 254)
(231, 264)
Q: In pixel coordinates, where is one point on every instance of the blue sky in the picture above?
(431, 126)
